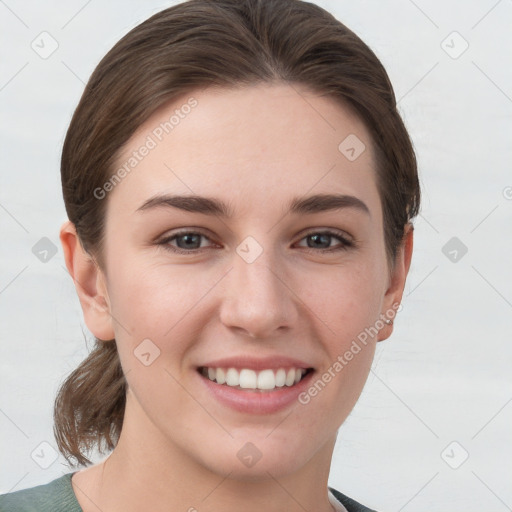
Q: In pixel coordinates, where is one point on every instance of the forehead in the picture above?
(258, 143)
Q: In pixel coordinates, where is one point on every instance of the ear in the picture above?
(90, 284)
(393, 296)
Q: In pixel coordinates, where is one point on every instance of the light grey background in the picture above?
(444, 375)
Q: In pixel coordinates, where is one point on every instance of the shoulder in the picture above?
(55, 496)
(350, 504)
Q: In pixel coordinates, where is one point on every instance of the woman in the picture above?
(240, 189)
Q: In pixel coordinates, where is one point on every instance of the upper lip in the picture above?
(260, 363)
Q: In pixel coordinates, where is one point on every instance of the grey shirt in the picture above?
(58, 496)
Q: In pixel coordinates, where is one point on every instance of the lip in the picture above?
(255, 401)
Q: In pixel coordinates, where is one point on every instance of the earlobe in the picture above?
(89, 282)
(394, 293)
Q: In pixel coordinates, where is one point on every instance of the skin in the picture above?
(255, 148)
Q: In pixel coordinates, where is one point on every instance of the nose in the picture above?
(258, 300)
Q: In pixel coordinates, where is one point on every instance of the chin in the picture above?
(261, 471)
(259, 459)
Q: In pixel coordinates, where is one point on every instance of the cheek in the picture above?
(346, 302)
(347, 298)
(163, 301)
(160, 302)
(154, 317)
(347, 306)
(147, 298)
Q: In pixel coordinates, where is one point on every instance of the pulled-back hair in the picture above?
(197, 44)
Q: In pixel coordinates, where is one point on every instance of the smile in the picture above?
(248, 379)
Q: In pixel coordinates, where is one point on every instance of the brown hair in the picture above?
(201, 43)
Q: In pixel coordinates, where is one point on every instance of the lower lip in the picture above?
(255, 401)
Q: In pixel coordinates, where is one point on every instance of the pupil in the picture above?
(322, 239)
(189, 238)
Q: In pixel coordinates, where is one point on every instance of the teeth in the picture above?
(266, 380)
(280, 378)
(232, 377)
(249, 379)
(220, 377)
(290, 377)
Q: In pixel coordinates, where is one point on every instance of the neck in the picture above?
(147, 472)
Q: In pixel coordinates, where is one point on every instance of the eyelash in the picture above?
(345, 242)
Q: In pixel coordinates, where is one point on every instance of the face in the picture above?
(276, 288)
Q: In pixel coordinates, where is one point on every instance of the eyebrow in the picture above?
(208, 206)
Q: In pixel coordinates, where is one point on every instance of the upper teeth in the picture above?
(249, 379)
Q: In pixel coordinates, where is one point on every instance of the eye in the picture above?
(322, 240)
(186, 242)
(189, 242)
